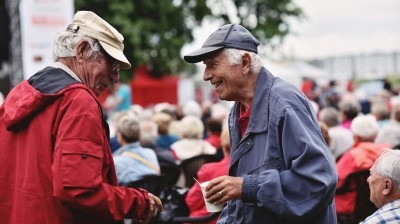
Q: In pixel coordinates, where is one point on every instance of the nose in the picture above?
(207, 75)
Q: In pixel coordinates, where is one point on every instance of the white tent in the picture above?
(295, 71)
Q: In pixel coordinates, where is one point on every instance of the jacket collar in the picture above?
(259, 110)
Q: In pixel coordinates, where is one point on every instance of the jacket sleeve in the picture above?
(83, 169)
(308, 183)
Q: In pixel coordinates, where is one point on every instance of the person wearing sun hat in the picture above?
(89, 24)
(56, 161)
(280, 169)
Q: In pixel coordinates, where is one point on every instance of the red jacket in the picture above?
(214, 140)
(56, 162)
(194, 199)
(360, 157)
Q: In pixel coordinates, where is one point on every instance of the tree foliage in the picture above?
(266, 19)
(156, 30)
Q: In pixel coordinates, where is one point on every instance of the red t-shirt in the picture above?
(244, 118)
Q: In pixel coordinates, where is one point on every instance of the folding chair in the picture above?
(152, 183)
(190, 167)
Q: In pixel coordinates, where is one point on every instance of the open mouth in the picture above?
(217, 84)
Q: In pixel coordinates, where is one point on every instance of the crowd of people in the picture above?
(280, 153)
(356, 131)
(359, 128)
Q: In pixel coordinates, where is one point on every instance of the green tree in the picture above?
(156, 30)
(266, 19)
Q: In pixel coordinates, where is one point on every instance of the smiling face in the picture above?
(230, 80)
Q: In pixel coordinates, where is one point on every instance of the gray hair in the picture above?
(330, 116)
(192, 108)
(235, 57)
(365, 126)
(350, 108)
(66, 42)
(128, 126)
(388, 165)
(380, 110)
(192, 127)
(148, 132)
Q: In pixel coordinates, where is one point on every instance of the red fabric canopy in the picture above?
(148, 91)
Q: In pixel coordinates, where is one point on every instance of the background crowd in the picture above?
(356, 128)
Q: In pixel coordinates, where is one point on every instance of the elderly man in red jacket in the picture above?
(57, 166)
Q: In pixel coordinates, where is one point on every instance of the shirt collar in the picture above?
(67, 70)
(392, 204)
(245, 113)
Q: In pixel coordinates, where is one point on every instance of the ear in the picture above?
(246, 63)
(388, 186)
(80, 51)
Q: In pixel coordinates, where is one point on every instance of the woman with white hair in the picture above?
(192, 143)
(359, 158)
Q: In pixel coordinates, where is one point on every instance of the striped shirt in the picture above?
(387, 214)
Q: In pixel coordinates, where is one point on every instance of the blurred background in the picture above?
(349, 42)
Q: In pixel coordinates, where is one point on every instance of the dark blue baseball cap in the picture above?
(227, 36)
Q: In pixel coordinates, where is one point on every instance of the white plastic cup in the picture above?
(210, 207)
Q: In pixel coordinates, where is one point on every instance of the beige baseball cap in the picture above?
(91, 25)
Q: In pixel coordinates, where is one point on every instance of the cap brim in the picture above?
(201, 54)
(116, 54)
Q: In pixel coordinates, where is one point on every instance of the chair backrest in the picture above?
(152, 183)
(358, 182)
(192, 165)
(168, 167)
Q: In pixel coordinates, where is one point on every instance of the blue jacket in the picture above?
(288, 173)
(129, 169)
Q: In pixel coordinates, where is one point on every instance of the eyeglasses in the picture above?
(115, 67)
(114, 64)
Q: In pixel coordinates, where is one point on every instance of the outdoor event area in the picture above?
(185, 111)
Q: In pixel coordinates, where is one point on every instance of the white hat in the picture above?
(91, 25)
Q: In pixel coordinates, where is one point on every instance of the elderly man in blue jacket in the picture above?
(280, 169)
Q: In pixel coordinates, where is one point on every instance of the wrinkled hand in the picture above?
(223, 189)
(155, 204)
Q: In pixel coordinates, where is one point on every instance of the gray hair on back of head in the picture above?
(365, 126)
(330, 116)
(148, 132)
(66, 42)
(388, 165)
(235, 57)
(128, 126)
(192, 127)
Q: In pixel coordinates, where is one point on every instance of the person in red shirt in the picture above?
(214, 128)
(360, 157)
(57, 166)
(194, 199)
